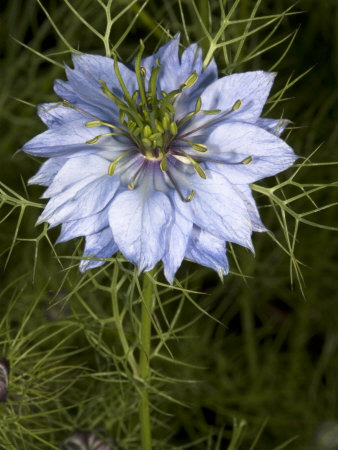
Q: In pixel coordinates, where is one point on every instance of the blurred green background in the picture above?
(274, 359)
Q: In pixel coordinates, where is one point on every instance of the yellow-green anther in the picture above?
(166, 122)
(186, 118)
(237, 105)
(137, 132)
(135, 95)
(159, 127)
(164, 94)
(196, 166)
(199, 147)
(154, 136)
(96, 138)
(190, 196)
(143, 71)
(146, 115)
(190, 81)
(147, 131)
(210, 112)
(247, 160)
(113, 164)
(98, 123)
(198, 105)
(94, 123)
(131, 125)
(173, 128)
(146, 142)
(164, 163)
(93, 141)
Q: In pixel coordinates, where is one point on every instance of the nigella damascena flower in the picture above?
(155, 161)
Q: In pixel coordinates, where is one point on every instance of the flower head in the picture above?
(156, 161)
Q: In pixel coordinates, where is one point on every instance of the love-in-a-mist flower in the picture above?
(155, 160)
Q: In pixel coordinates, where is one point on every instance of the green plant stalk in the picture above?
(144, 365)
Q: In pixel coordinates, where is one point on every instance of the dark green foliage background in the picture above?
(275, 356)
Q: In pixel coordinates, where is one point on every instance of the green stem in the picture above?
(144, 366)
(119, 323)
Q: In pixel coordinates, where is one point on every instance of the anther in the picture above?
(113, 164)
(190, 196)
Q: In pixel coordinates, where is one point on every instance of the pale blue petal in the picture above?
(176, 241)
(84, 86)
(97, 67)
(70, 140)
(65, 91)
(232, 142)
(85, 169)
(252, 88)
(219, 209)
(54, 114)
(208, 250)
(80, 201)
(274, 126)
(99, 245)
(47, 171)
(83, 227)
(246, 195)
(139, 220)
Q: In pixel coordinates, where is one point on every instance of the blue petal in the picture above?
(86, 192)
(97, 67)
(234, 141)
(219, 209)
(208, 250)
(47, 171)
(70, 139)
(54, 114)
(139, 221)
(99, 245)
(274, 126)
(84, 227)
(246, 195)
(76, 170)
(252, 88)
(86, 87)
(176, 241)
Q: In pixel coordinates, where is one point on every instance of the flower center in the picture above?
(147, 119)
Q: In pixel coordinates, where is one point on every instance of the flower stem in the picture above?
(144, 366)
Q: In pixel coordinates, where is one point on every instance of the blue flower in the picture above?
(155, 161)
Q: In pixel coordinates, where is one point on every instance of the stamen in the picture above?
(190, 196)
(95, 139)
(99, 123)
(196, 166)
(197, 147)
(131, 185)
(113, 164)
(140, 75)
(236, 106)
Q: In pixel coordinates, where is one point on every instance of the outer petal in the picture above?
(84, 227)
(219, 209)
(252, 88)
(246, 195)
(177, 238)
(47, 171)
(54, 114)
(79, 191)
(99, 245)
(208, 250)
(234, 141)
(70, 140)
(139, 221)
(75, 170)
(275, 126)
